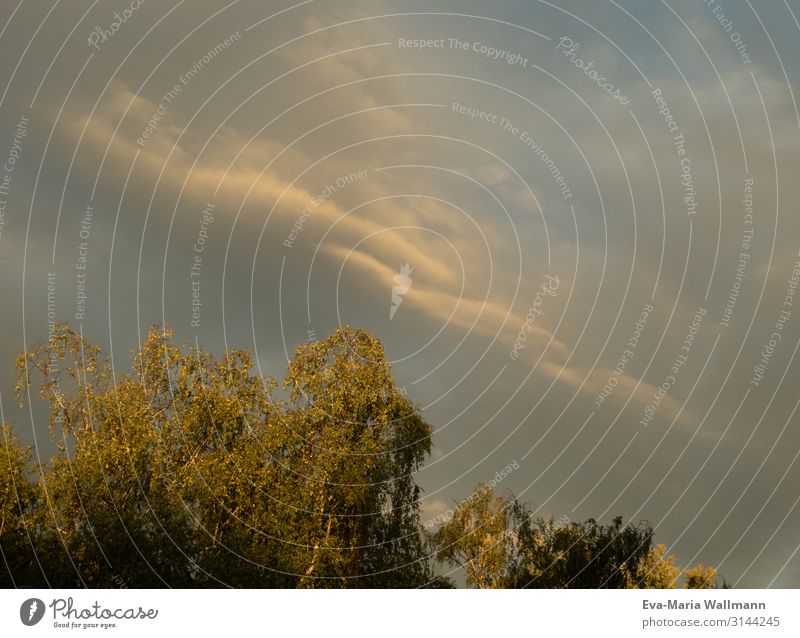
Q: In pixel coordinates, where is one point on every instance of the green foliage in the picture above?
(500, 544)
(700, 577)
(655, 571)
(17, 496)
(481, 537)
(192, 471)
(188, 472)
(580, 554)
(358, 442)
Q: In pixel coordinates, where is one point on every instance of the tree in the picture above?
(500, 544)
(580, 554)
(17, 497)
(358, 443)
(480, 537)
(188, 471)
(655, 571)
(700, 577)
(112, 502)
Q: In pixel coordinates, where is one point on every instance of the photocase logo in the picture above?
(31, 611)
(402, 284)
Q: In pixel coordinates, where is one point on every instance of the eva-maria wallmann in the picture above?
(706, 604)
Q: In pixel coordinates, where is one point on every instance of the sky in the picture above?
(572, 224)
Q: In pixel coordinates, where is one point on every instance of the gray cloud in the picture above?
(472, 204)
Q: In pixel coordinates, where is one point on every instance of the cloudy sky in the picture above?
(595, 203)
